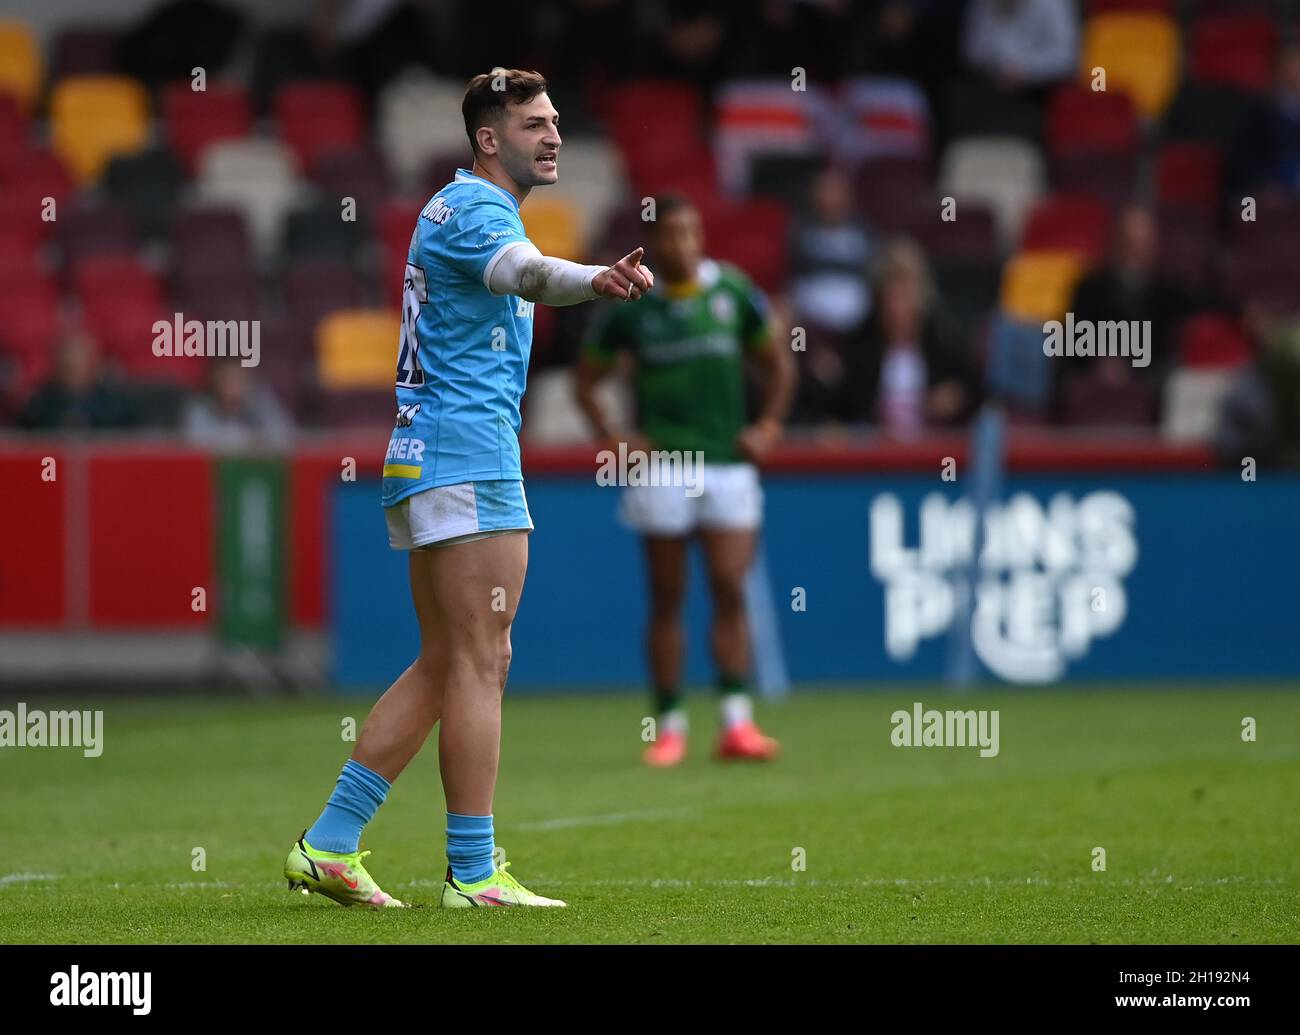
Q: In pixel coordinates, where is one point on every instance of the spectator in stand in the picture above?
(235, 411)
(830, 292)
(1284, 122)
(829, 258)
(1128, 288)
(910, 369)
(78, 395)
(1019, 44)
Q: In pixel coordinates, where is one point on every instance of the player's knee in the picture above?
(728, 593)
(666, 599)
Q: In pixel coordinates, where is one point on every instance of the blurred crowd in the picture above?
(919, 184)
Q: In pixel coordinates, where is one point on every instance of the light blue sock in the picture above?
(469, 847)
(356, 798)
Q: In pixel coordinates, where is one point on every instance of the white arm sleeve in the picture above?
(520, 269)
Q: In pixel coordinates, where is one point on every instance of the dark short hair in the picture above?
(668, 203)
(488, 94)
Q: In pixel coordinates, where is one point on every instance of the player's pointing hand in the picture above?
(627, 280)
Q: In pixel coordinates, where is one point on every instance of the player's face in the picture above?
(679, 243)
(530, 142)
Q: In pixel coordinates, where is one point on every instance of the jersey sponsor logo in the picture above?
(1049, 579)
(524, 309)
(405, 449)
(406, 414)
(437, 211)
(689, 348)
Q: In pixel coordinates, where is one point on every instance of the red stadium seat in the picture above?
(315, 289)
(116, 278)
(316, 117)
(1189, 173)
(28, 315)
(751, 235)
(13, 132)
(1236, 49)
(1081, 119)
(1213, 340)
(650, 109)
(1068, 222)
(195, 119)
(396, 225)
(30, 177)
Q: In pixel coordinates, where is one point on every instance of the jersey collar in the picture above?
(465, 176)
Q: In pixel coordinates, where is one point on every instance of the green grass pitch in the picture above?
(1200, 829)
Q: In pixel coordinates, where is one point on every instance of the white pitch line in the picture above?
(606, 820)
(26, 878)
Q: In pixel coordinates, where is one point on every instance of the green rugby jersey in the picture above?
(690, 349)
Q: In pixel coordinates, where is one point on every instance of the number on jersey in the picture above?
(410, 374)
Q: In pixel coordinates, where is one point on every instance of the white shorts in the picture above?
(451, 514)
(729, 498)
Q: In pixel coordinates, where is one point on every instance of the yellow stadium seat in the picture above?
(1039, 285)
(20, 63)
(555, 226)
(357, 348)
(1139, 51)
(94, 118)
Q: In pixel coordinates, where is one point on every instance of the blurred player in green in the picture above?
(690, 341)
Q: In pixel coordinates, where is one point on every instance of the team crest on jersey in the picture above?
(722, 307)
(437, 211)
(406, 414)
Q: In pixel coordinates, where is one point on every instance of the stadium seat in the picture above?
(148, 183)
(1109, 177)
(971, 237)
(1092, 121)
(313, 289)
(884, 186)
(315, 118)
(752, 235)
(1193, 400)
(555, 226)
(87, 231)
(1186, 241)
(29, 317)
(1098, 402)
(85, 50)
(1189, 173)
(31, 176)
(763, 117)
(1235, 50)
(591, 179)
(1068, 222)
(1004, 173)
(396, 225)
(1038, 285)
(13, 132)
(94, 118)
(210, 242)
(21, 70)
(1139, 51)
(636, 111)
(196, 118)
(1212, 340)
(552, 416)
(357, 349)
(317, 231)
(408, 137)
(357, 173)
(258, 178)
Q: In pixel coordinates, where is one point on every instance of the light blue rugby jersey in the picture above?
(463, 356)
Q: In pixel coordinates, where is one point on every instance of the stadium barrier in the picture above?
(1108, 560)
